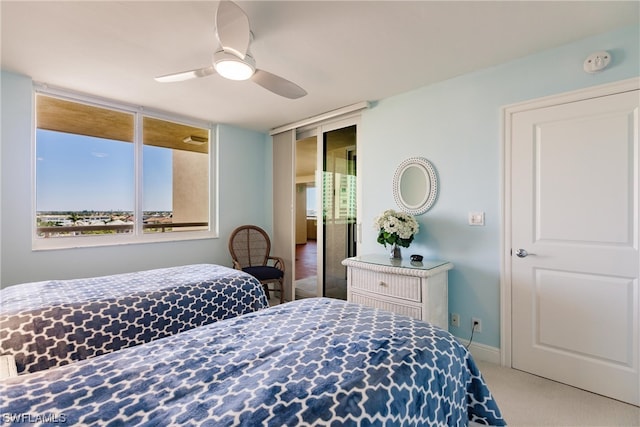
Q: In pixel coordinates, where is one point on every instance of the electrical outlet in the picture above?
(455, 320)
(477, 324)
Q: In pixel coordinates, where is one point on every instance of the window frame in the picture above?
(137, 236)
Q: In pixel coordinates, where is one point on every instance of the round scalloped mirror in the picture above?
(415, 185)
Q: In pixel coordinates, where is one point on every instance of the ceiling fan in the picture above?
(232, 60)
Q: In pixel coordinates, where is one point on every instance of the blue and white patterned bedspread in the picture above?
(310, 362)
(47, 324)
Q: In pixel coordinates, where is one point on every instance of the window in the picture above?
(312, 210)
(108, 174)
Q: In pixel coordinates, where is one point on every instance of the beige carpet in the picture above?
(306, 288)
(528, 400)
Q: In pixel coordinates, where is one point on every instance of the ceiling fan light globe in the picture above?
(231, 67)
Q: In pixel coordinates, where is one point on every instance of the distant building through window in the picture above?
(118, 174)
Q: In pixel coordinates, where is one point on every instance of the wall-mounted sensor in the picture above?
(597, 62)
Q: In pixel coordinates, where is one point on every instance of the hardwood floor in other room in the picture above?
(306, 259)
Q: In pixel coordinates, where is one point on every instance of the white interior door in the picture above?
(574, 210)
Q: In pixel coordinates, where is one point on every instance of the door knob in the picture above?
(521, 253)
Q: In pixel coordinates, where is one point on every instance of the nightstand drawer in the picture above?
(414, 311)
(394, 285)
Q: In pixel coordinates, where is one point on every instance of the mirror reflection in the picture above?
(414, 186)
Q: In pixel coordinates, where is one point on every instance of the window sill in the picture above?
(56, 243)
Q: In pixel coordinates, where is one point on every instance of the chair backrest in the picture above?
(249, 246)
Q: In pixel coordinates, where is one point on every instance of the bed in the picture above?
(311, 362)
(53, 323)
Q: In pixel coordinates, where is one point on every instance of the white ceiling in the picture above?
(341, 52)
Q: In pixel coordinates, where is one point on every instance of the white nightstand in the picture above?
(414, 289)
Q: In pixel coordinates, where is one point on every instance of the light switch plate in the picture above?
(476, 218)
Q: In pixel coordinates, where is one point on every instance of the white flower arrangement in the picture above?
(396, 228)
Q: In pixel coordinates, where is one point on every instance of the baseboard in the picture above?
(483, 352)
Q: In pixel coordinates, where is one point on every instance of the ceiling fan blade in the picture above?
(278, 85)
(186, 75)
(232, 28)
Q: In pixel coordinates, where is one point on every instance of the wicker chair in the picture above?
(250, 248)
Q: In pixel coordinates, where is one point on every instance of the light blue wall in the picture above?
(244, 197)
(456, 124)
(245, 179)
